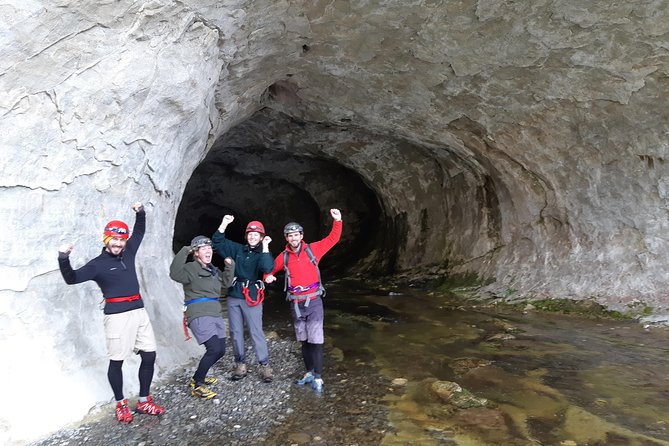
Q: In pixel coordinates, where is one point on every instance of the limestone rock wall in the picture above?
(526, 143)
(102, 105)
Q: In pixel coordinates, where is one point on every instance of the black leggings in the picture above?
(115, 375)
(215, 351)
(313, 357)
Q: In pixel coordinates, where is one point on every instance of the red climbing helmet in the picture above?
(255, 226)
(116, 228)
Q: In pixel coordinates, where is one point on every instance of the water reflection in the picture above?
(524, 379)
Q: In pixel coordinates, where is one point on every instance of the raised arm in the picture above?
(139, 228)
(72, 276)
(227, 219)
(178, 267)
(222, 246)
(322, 246)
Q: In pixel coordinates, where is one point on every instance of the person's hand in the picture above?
(137, 207)
(66, 249)
(336, 214)
(266, 240)
(227, 219)
(228, 261)
(270, 278)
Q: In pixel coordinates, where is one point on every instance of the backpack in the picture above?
(313, 260)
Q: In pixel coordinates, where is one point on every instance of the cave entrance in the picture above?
(252, 176)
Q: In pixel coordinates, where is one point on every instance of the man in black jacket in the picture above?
(127, 326)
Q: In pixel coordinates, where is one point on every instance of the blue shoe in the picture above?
(306, 379)
(317, 385)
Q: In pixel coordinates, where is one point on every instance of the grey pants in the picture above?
(239, 314)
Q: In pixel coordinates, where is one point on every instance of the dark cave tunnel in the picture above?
(251, 181)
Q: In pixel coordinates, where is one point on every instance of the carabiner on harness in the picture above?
(192, 301)
(260, 294)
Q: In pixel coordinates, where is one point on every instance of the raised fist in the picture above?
(66, 248)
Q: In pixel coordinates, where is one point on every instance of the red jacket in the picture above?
(302, 271)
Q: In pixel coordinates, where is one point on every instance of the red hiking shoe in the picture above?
(149, 407)
(123, 414)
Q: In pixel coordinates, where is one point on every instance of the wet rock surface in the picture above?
(249, 411)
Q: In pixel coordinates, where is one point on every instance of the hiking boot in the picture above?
(266, 373)
(203, 392)
(149, 407)
(123, 414)
(208, 380)
(317, 385)
(306, 379)
(239, 372)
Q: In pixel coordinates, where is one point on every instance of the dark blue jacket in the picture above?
(115, 275)
(250, 263)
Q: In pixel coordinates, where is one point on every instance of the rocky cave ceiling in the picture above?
(524, 145)
(473, 139)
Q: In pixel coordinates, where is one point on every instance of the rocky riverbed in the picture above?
(424, 370)
(250, 412)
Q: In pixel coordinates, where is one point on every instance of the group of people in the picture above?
(246, 269)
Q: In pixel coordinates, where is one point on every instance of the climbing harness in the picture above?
(246, 292)
(260, 293)
(291, 290)
(109, 300)
(192, 301)
(122, 299)
(302, 289)
(199, 299)
(197, 243)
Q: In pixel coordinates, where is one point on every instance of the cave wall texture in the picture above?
(524, 142)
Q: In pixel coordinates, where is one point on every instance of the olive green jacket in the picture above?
(198, 282)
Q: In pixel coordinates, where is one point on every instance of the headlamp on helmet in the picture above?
(292, 227)
(116, 229)
(255, 226)
(199, 241)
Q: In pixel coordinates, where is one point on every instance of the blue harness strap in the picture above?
(199, 299)
(192, 301)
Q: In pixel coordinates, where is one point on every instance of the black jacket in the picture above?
(115, 275)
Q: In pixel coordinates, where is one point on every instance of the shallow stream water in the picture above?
(412, 368)
(531, 378)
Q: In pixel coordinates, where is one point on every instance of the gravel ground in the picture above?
(250, 412)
